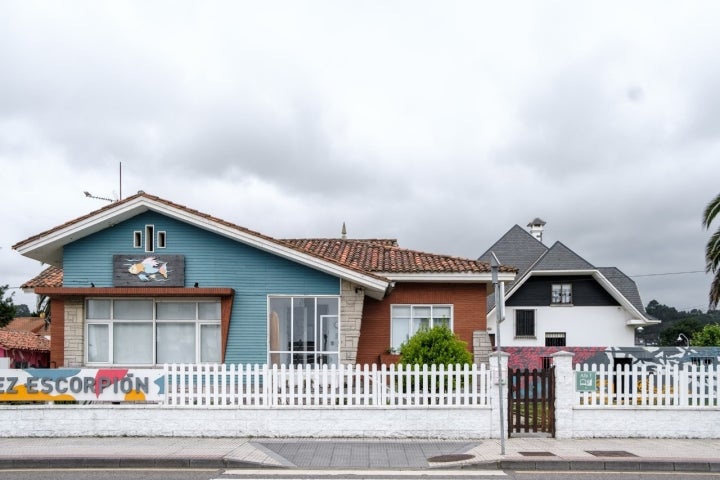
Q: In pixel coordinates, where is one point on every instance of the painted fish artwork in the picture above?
(149, 269)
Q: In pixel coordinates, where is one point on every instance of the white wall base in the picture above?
(619, 422)
(162, 421)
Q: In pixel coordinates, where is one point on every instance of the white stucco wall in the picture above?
(155, 420)
(584, 326)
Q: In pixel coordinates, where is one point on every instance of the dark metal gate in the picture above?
(531, 401)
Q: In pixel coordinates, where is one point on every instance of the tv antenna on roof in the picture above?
(89, 195)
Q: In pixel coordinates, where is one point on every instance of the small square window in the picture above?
(561, 294)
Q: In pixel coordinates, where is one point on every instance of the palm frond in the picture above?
(711, 211)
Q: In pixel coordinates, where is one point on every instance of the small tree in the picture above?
(709, 336)
(7, 308)
(434, 346)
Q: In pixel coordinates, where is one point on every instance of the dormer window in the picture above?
(561, 294)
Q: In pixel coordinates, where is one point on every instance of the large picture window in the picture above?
(406, 320)
(303, 330)
(152, 331)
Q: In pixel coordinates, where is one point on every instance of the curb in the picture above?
(126, 462)
(609, 465)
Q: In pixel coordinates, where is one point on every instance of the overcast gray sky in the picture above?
(441, 124)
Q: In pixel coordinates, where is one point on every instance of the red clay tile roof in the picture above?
(50, 277)
(11, 340)
(385, 256)
(28, 324)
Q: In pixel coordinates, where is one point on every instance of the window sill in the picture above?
(525, 337)
(562, 305)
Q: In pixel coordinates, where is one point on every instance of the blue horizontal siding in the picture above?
(211, 260)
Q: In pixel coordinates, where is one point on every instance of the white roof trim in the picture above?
(43, 248)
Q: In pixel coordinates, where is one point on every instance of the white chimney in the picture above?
(536, 228)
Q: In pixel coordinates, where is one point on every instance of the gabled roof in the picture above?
(12, 340)
(560, 257)
(518, 247)
(372, 263)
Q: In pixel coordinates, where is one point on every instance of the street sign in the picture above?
(585, 381)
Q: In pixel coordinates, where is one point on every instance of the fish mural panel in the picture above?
(148, 270)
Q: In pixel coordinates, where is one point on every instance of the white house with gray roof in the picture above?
(559, 299)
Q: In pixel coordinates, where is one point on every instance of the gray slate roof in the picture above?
(520, 249)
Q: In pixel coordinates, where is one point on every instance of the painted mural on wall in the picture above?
(81, 384)
(148, 270)
(652, 357)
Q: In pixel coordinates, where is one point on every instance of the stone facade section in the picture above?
(74, 338)
(482, 347)
(351, 311)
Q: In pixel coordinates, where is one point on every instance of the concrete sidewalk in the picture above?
(520, 453)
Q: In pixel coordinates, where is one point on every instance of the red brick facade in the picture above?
(469, 311)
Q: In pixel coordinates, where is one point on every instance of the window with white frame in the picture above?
(303, 330)
(561, 293)
(406, 320)
(525, 323)
(555, 339)
(152, 331)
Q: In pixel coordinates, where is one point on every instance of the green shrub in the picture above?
(434, 346)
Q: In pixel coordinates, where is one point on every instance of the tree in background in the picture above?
(688, 327)
(712, 251)
(7, 308)
(709, 336)
(434, 346)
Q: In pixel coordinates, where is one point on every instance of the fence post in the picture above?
(564, 393)
(498, 416)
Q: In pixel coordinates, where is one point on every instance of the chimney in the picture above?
(536, 228)
(343, 232)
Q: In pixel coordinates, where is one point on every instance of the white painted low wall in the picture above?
(644, 422)
(161, 421)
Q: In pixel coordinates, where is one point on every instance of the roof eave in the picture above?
(454, 277)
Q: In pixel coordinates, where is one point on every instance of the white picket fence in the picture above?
(230, 385)
(644, 385)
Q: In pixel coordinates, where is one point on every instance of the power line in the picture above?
(666, 273)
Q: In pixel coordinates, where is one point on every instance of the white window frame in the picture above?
(110, 322)
(161, 239)
(396, 343)
(561, 294)
(149, 238)
(137, 239)
(318, 353)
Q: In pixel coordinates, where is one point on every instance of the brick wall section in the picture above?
(469, 309)
(74, 316)
(351, 313)
(57, 332)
